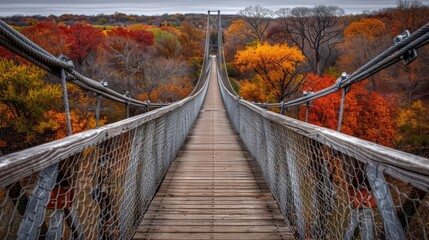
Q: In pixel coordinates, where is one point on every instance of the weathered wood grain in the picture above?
(213, 190)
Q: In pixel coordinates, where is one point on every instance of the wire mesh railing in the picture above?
(330, 185)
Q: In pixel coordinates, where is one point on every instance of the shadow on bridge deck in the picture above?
(213, 190)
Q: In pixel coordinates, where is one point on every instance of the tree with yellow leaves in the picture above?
(239, 33)
(275, 69)
(412, 116)
(31, 109)
(25, 97)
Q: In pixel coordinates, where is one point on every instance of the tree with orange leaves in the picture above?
(174, 90)
(367, 115)
(409, 15)
(237, 37)
(239, 33)
(363, 40)
(162, 78)
(275, 69)
(123, 55)
(190, 39)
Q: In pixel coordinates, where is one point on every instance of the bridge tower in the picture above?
(215, 28)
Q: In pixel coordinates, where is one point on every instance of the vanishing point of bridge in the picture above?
(213, 189)
(239, 172)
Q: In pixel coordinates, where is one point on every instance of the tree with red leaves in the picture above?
(367, 115)
(50, 36)
(83, 39)
(142, 37)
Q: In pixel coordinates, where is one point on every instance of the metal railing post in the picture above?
(66, 102)
(97, 111)
(127, 105)
(381, 192)
(343, 97)
(307, 108)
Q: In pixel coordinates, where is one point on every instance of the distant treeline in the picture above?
(116, 19)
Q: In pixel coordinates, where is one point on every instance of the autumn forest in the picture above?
(271, 56)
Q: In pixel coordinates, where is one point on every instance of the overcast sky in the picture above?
(159, 7)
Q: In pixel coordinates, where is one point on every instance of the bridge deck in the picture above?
(213, 190)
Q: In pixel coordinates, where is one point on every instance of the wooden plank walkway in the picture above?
(213, 190)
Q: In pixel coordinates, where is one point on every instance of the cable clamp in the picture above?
(64, 58)
(341, 80)
(411, 54)
(69, 77)
(128, 96)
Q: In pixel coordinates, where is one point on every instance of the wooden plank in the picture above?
(218, 181)
(213, 190)
(204, 236)
(215, 206)
(212, 211)
(237, 199)
(208, 194)
(213, 201)
(179, 217)
(212, 229)
(223, 222)
(189, 186)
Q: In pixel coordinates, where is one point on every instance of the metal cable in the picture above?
(15, 50)
(23, 38)
(32, 51)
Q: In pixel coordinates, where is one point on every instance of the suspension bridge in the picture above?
(212, 166)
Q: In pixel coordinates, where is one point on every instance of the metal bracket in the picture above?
(282, 108)
(64, 58)
(342, 79)
(127, 104)
(409, 56)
